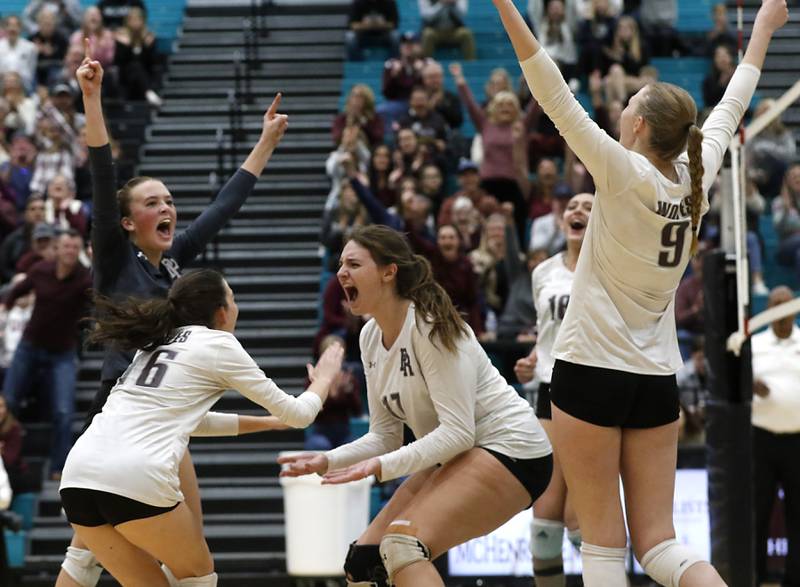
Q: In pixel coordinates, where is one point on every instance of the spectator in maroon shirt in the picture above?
(43, 247)
(359, 111)
(50, 339)
(21, 477)
(332, 426)
(62, 209)
(453, 271)
(689, 301)
(380, 171)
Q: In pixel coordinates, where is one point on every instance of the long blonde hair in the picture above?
(502, 96)
(671, 114)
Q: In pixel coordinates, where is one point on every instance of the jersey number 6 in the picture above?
(153, 373)
(673, 236)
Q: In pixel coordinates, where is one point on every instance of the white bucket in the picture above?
(321, 522)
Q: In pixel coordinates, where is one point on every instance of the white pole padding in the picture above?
(781, 104)
(768, 316)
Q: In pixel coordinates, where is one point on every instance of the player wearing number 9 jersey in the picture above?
(614, 395)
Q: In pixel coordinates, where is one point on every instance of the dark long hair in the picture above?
(145, 324)
(414, 281)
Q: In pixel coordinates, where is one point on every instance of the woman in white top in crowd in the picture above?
(188, 358)
(615, 401)
(477, 441)
(552, 285)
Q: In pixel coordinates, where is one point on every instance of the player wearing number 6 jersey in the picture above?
(120, 487)
(615, 402)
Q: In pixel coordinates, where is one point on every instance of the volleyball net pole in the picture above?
(728, 327)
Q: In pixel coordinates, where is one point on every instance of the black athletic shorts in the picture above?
(534, 474)
(543, 409)
(607, 397)
(88, 507)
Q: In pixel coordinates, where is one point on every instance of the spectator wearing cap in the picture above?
(443, 101)
(400, 75)
(547, 231)
(50, 339)
(51, 44)
(19, 242)
(62, 210)
(17, 172)
(443, 23)
(469, 182)
(42, 247)
(66, 16)
(776, 434)
(115, 11)
(17, 54)
(21, 116)
(60, 110)
(371, 22)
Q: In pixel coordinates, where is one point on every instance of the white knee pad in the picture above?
(668, 561)
(603, 566)
(547, 538)
(575, 538)
(204, 581)
(171, 579)
(82, 566)
(400, 550)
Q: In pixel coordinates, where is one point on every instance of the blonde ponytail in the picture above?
(695, 151)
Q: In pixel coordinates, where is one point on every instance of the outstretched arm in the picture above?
(522, 39)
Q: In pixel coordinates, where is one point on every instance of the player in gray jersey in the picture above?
(615, 400)
(120, 486)
(552, 285)
(477, 441)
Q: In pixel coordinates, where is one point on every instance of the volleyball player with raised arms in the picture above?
(120, 487)
(552, 284)
(137, 252)
(615, 401)
(477, 441)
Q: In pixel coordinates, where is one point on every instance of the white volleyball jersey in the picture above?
(451, 401)
(621, 313)
(134, 446)
(552, 284)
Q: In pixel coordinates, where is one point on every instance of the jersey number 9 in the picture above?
(673, 237)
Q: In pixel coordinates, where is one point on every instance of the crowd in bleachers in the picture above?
(45, 201)
(484, 205)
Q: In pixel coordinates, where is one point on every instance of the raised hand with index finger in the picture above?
(90, 72)
(275, 124)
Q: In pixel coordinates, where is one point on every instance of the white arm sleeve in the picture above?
(609, 162)
(218, 424)
(385, 431)
(237, 369)
(5, 488)
(725, 118)
(451, 379)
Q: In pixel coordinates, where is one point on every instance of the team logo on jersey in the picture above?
(172, 268)
(405, 363)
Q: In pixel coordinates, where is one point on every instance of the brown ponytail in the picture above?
(671, 114)
(414, 281)
(145, 324)
(695, 147)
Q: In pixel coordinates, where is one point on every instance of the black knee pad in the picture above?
(364, 564)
